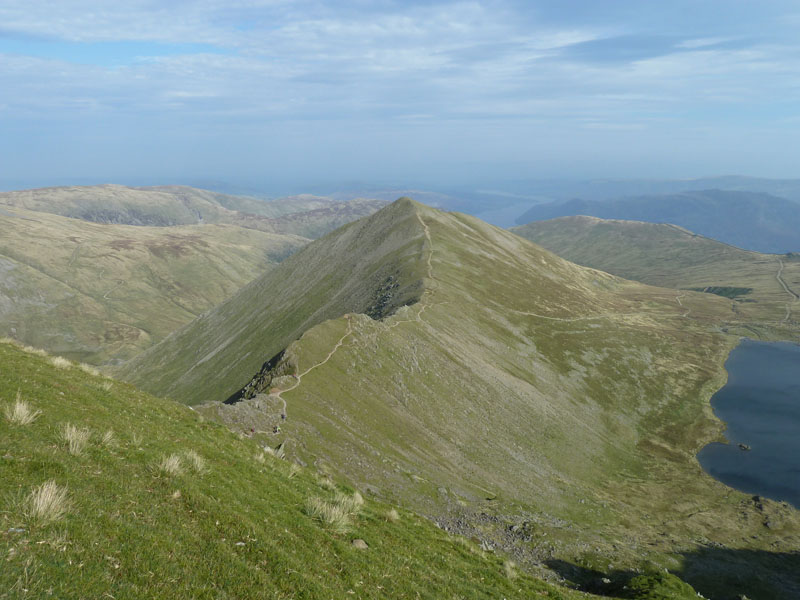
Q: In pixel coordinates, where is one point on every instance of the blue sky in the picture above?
(302, 92)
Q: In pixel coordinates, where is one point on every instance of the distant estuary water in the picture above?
(761, 406)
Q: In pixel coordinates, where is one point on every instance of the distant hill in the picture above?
(750, 220)
(669, 256)
(551, 410)
(163, 206)
(99, 292)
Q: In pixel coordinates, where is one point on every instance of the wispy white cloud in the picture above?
(414, 64)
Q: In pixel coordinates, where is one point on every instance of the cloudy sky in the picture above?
(302, 91)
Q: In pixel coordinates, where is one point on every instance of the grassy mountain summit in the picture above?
(99, 292)
(762, 286)
(751, 220)
(549, 409)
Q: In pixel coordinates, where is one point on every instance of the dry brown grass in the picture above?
(108, 438)
(107, 385)
(60, 362)
(89, 369)
(330, 514)
(47, 503)
(392, 515)
(351, 504)
(326, 483)
(171, 465)
(510, 569)
(76, 438)
(36, 351)
(20, 412)
(195, 461)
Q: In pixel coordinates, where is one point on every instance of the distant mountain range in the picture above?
(749, 220)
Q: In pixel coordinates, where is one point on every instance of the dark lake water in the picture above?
(761, 406)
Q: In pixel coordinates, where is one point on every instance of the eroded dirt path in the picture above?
(788, 290)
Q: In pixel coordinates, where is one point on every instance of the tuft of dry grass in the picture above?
(330, 514)
(171, 465)
(108, 438)
(195, 461)
(326, 483)
(47, 503)
(88, 369)
(76, 438)
(351, 504)
(60, 362)
(294, 469)
(36, 351)
(20, 413)
(392, 515)
(510, 569)
(107, 385)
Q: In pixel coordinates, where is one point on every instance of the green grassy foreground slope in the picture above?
(155, 502)
(97, 292)
(763, 287)
(549, 409)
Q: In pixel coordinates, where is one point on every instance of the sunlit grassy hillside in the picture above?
(97, 292)
(109, 492)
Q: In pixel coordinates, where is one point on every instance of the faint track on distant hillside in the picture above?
(678, 300)
(788, 290)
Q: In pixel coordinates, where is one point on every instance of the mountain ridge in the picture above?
(749, 220)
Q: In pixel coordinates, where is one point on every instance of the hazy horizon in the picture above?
(301, 94)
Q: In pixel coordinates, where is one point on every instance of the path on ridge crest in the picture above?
(278, 395)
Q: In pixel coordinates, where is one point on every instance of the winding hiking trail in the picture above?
(278, 394)
(788, 290)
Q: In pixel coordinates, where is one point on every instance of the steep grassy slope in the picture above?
(749, 220)
(550, 409)
(763, 286)
(159, 503)
(99, 292)
(370, 266)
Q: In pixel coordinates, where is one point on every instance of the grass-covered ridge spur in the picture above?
(549, 410)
